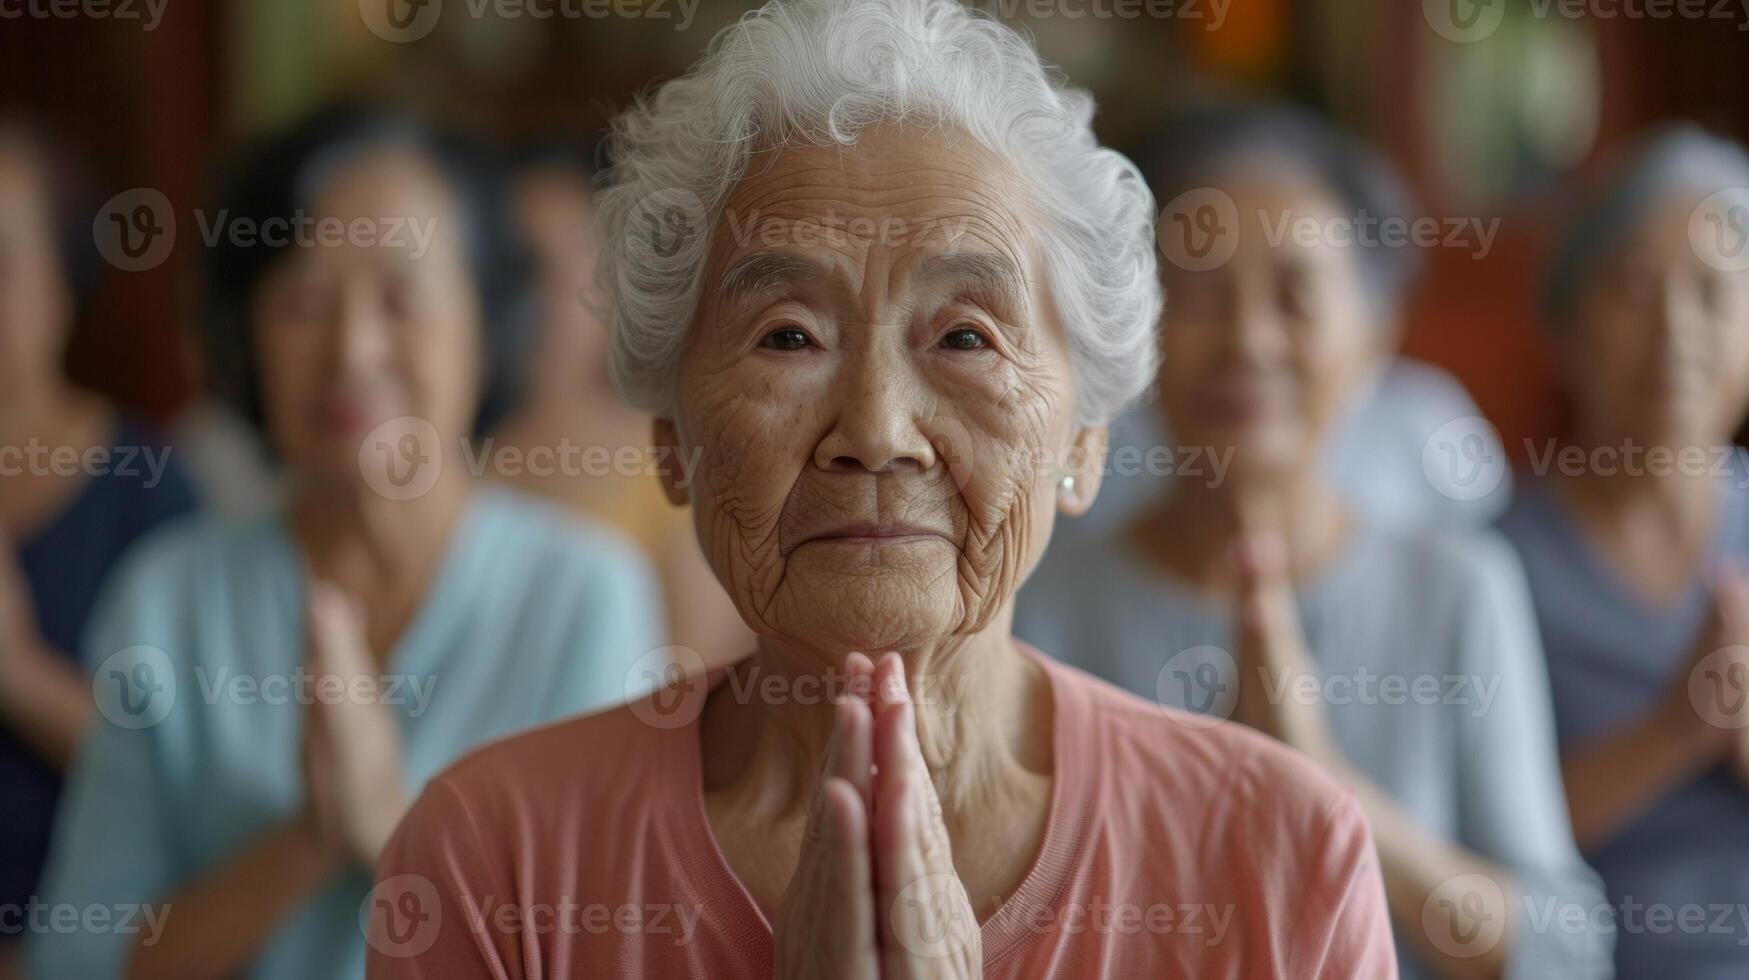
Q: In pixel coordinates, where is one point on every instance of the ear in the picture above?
(665, 446)
(1085, 464)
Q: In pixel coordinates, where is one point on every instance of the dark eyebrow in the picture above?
(762, 272)
(990, 271)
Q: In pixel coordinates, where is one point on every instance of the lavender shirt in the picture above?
(1677, 875)
(1433, 684)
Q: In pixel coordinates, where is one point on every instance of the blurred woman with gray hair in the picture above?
(1405, 662)
(868, 260)
(1635, 532)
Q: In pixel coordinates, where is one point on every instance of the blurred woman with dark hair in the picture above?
(574, 440)
(79, 481)
(1636, 538)
(285, 684)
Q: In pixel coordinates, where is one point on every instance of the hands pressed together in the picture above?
(1272, 654)
(1713, 687)
(875, 893)
(352, 743)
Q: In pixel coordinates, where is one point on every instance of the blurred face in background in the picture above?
(1658, 347)
(554, 212)
(1262, 353)
(376, 327)
(36, 304)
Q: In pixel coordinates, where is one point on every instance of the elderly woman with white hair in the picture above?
(869, 263)
(1636, 537)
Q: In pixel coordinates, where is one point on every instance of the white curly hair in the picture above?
(817, 72)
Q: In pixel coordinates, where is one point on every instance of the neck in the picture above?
(351, 534)
(1195, 528)
(977, 699)
(1682, 502)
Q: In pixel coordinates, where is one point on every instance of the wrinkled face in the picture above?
(879, 391)
(1262, 353)
(553, 210)
(35, 303)
(357, 329)
(1658, 350)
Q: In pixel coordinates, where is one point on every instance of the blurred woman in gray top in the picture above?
(1405, 662)
(1635, 531)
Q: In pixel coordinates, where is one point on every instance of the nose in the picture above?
(1254, 324)
(359, 331)
(1673, 320)
(879, 408)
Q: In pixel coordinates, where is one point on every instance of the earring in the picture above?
(1066, 484)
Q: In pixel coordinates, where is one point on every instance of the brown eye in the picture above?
(785, 338)
(963, 338)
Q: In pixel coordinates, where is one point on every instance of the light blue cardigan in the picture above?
(531, 616)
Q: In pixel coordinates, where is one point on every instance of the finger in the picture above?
(860, 672)
(850, 877)
(1735, 607)
(890, 686)
(901, 771)
(902, 774)
(892, 696)
(317, 760)
(899, 863)
(337, 637)
(1269, 620)
(851, 756)
(923, 912)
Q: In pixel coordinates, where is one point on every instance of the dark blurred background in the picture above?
(1489, 108)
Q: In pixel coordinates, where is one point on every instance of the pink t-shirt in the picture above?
(1173, 849)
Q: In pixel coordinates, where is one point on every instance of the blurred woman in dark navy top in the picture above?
(79, 481)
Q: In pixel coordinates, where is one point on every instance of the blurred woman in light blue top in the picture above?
(1635, 532)
(274, 692)
(1405, 662)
